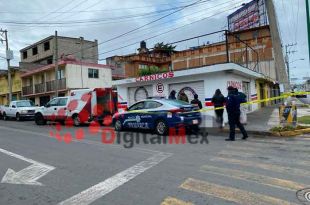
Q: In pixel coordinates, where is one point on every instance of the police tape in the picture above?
(283, 96)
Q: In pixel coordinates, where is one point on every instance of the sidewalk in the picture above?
(261, 121)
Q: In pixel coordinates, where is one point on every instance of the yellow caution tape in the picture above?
(284, 95)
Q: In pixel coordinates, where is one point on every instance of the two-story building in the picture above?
(40, 84)
(43, 52)
(78, 68)
(16, 85)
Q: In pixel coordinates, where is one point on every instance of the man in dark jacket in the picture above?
(218, 101)
(233, 110)
(196, 101)
(172, 95)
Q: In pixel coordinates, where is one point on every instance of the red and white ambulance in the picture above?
(80, 107)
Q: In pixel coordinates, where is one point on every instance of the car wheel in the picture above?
(39, 119)
(76, 120)
(161, 128)
(18, 118)
(5, 117)
(118, 125)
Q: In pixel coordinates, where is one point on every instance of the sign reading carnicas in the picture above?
(158, 76)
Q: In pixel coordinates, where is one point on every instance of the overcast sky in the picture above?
(110, 18)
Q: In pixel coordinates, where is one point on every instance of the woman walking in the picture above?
(219, 100)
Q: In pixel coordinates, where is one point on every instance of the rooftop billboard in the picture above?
(251, 15)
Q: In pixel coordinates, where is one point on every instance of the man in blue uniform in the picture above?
(233, 110)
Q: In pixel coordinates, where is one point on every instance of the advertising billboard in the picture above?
(251, 15)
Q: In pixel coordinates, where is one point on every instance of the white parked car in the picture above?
(1, 110)
(81, 106)
(20, 109)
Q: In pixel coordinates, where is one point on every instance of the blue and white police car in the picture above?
(158, 115)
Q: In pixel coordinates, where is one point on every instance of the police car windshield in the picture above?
(177, 103)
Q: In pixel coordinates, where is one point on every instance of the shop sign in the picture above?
(235, 84)
(160, 88)
(158, 76)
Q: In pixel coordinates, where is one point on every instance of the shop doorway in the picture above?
(246, 91)
(189, 88)
(136, 94)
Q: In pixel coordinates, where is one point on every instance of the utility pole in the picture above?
(56, 64)
(308, 25)
(287, 53)
(8, 58)
(82, 56)
(281, 73)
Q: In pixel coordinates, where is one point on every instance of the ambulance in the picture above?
(80, 107)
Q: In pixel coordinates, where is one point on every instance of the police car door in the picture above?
(152, 112)
(132, 118)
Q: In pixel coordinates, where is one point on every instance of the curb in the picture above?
(294, 133)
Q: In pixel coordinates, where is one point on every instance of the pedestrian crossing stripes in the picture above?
(271, 146)
(251, 156)
(251, 177)
(270, 159)
(174, 201)
(231, 194)
(264, 150)
(265, 166)
(280, 142)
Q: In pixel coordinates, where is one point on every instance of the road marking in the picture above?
(260, 179)
(272, 147)
(99, 190)
(297, 141)
(272, 159)
(174, 201)
(288, 147)
(231, 194)
(85, 141)
(29, 175)
(247, 148)
(269, 167)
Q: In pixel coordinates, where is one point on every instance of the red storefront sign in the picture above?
(235, 84)
(158, 76)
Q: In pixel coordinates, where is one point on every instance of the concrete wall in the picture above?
(76, 79)
(65, 46)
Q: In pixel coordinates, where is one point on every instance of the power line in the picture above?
(209, 9)
(165, 32)
(89, 20)
(90, 11)
(144, 25)
(52, 12)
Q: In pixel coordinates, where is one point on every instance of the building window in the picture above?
(93, 73)
(35, 50)
(25, 55)
(60, 74)
(142, 66)
(49, 61)
(46, 46)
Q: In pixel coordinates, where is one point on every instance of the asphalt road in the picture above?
(76, 167)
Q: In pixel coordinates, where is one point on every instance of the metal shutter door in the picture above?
(197, 87)
(136, 94)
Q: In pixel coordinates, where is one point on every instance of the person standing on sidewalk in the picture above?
(172, 95)
(218, 101)
(196, 102)
(233, 111)
(183, 97)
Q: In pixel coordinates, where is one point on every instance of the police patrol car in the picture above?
(158, 115)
